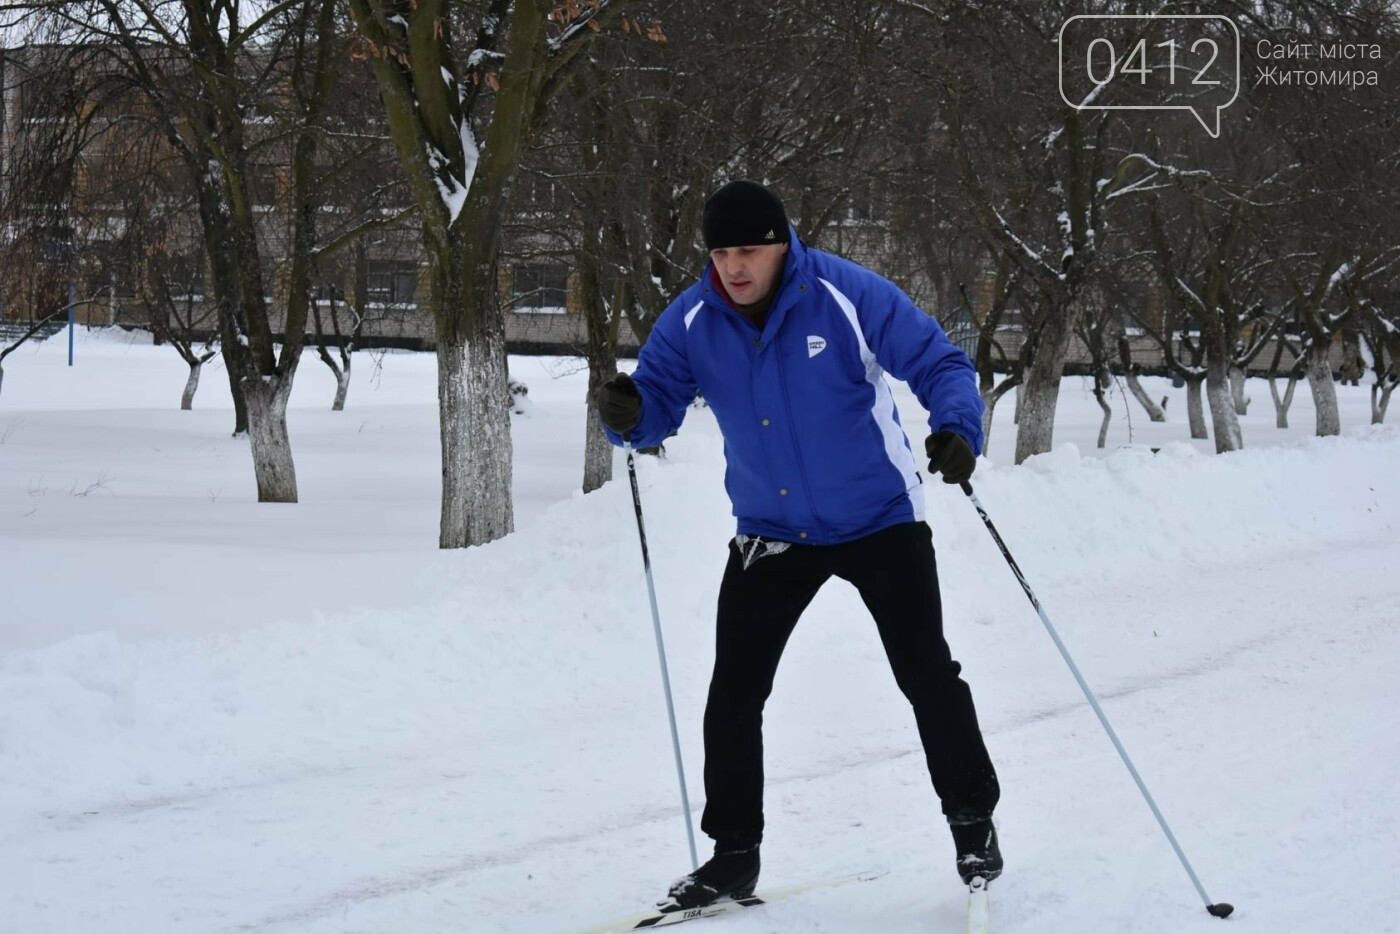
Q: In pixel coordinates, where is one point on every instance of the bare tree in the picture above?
(596, 243)
(1282, 342)
(1131, 311)
(1184, 354)
(177, 315)
(1131, 371)
(464, 88)
(1201, 273)
(344, 340)
(1380, 348)
(1097, 328)
(160, 247)
(205, 69)
(1322, 296)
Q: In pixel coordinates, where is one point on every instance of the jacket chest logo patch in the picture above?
(815, 345)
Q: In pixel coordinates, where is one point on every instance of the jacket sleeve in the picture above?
(911, 346)
(664, 379)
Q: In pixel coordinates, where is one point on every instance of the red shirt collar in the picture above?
(758, 319)
(718, 283)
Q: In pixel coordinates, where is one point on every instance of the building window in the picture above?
(329, 293)
(392, 284)
(540, 288)
(264, 186)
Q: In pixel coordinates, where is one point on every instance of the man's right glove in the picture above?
(950, 455)
(620, 403)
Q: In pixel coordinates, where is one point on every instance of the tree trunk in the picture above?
(342, 386)
(1036, 427)
(1319, 372)
(191, 384)
(1195, 414)
(1380, 399)
(342, 376)
(476, 447)
(1237, 384)
(1154, 411)
(602, 364)
(232, 368)
(1353, 365)
(1223, 415)
(990, 397)
(597, 450)
(233, 344)
(472, 383)
(1281, 405)
(1101, 381)
(267, 432)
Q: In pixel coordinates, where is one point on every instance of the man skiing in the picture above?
(789, 346)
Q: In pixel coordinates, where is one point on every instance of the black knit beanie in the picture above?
(743, 213)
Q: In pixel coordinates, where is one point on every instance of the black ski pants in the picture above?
(895, 572)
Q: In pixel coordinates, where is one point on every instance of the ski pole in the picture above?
(661, 650)
(1218, 909)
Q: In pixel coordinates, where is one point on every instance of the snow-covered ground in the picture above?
(219, 716)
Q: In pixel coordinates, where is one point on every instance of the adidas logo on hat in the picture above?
(770, 235)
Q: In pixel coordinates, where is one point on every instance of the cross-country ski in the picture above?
(666, 917)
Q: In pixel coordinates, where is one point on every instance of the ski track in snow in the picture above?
(160, 818)
(1221, 664)
(1219, 658)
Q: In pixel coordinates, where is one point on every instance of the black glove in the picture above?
(619, 403)
(950, 455)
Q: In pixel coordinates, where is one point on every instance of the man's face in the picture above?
(749, 272)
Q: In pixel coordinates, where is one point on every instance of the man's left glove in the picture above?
(950, 455)
(620, 403)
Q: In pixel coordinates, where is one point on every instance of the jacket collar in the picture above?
(796, 283)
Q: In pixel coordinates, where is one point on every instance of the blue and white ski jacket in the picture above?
(815, 450)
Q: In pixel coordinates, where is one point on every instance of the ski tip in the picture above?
(1221, 909)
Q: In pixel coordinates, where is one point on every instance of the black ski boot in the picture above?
(978, 852)
(731, 873)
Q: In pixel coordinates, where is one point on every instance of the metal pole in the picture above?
(1220, 909)
(661, 652)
